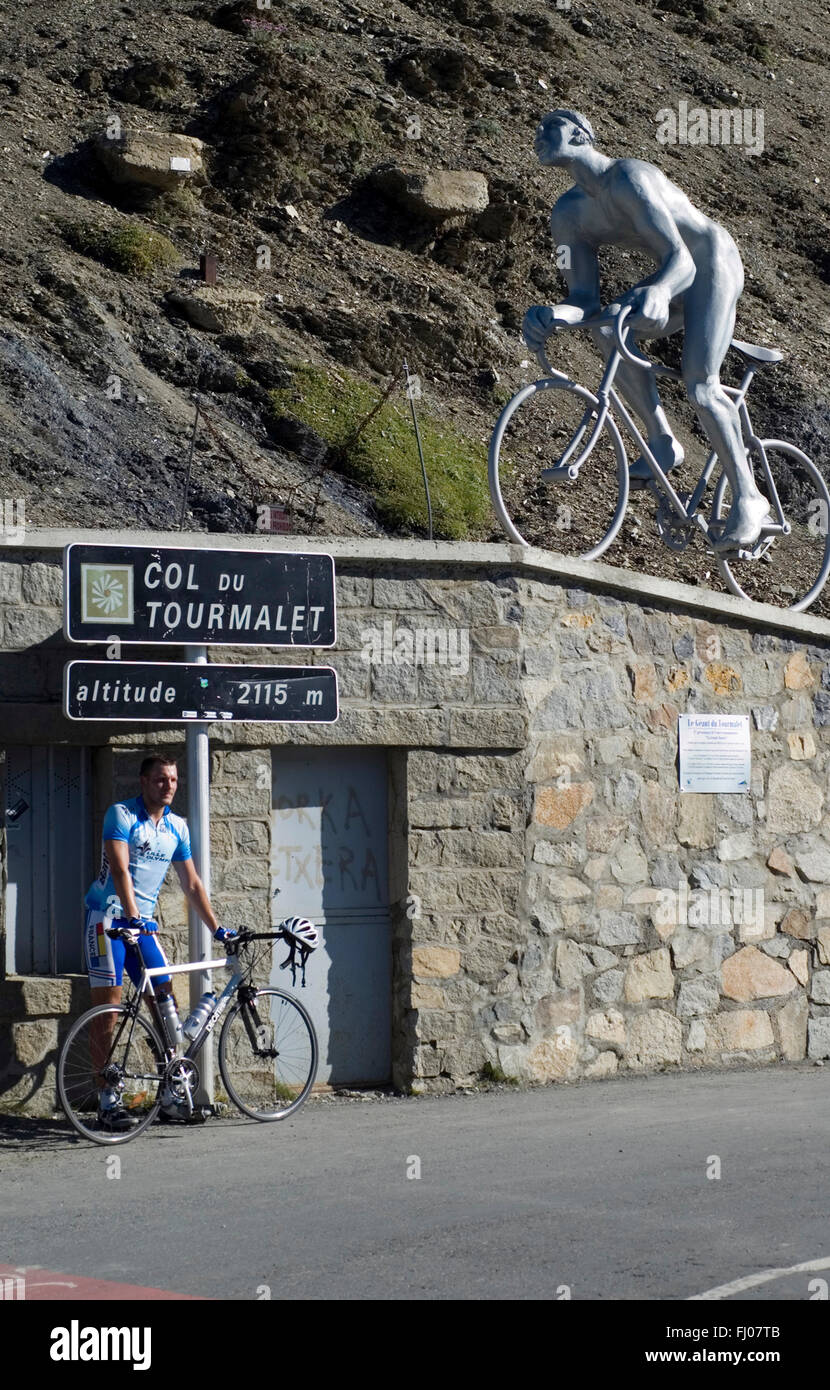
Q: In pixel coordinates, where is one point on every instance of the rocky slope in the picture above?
(319, 123)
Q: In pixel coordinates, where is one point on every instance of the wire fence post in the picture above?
(410, 393)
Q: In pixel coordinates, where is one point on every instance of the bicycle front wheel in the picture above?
(792, 572)
(108, 1044)
(548, 422)
(268, 1055)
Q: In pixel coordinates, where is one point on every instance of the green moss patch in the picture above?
(382, 453)
(132, 249)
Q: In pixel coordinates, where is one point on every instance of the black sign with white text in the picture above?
(156, 594)
(169, 692)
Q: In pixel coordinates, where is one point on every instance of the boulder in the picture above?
(215, 308)
(436, 196)
(153, 159)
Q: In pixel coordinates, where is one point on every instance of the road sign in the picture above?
(172, 692)
(155, 594)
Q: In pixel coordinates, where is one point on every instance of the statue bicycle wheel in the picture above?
(791, 569)
(547, 424)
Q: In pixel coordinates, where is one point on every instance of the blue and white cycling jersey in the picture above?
(152, 848)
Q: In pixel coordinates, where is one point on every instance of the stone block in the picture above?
(696, 820)
(779, 861)
(802, 746)
(43, 584)
(654, 1039)
(33, 1040)
(799, 964)
(437, 962)
(798, 923)
(736, 847)
(607, 1027)
(619, 929)
(26, 627)
(649, 977)
(823, 945)
(751, 974)
(353, 591)
(794, 801)
(814, 864)
(742, 1030)
(557, 1011)
(426, 996)
(247, 802)
(657, 807)
(252, 837)
(609, 986)
(696, 997)
(572, 962)
(797, 673)
(558, 807)
(11, 574)
(820, 987)
(606, 1064)
(818, 1037)
(45, 996)
(791, 1028)
(629, 864)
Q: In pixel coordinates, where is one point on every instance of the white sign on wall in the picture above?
(714, 753)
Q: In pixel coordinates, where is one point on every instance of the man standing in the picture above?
(141, 838)
(697, 284)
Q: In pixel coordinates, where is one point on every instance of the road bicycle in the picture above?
(536, 450)
(267, 1047)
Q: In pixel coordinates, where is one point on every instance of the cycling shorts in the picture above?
(104, 956)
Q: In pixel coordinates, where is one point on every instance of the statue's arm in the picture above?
(580, 265)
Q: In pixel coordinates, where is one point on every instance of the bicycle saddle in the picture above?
(763, 356)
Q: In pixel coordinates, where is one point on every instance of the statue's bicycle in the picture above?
(551, 428)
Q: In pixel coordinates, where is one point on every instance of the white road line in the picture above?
(751, 1281)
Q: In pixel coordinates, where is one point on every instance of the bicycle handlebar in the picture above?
(603, 320)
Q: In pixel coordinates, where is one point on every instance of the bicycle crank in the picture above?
(673, 532)
(182, 1077)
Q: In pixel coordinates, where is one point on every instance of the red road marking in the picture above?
(45, 1284)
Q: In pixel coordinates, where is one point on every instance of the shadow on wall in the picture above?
(29, 1047)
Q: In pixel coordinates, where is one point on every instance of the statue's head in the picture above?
(560, 133)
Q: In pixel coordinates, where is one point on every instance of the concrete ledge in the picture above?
(516, 559)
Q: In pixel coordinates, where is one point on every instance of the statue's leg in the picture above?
(710, 320)
(638, 388)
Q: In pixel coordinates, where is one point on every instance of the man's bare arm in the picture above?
(194, 891)
(118, 855)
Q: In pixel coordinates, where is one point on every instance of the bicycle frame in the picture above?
(607, 398)
(145, 989)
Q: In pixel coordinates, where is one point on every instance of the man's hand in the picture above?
(540, 321)
(650, 308)
(225, 934)
(144, 924)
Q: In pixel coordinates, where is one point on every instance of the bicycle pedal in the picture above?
(549, 476)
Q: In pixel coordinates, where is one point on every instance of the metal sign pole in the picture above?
(198, 819)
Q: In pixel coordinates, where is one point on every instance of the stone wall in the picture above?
(559, 909)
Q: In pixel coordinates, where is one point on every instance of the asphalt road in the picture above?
(594, 1191)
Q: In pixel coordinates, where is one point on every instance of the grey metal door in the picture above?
(329, 863)
(49, 861)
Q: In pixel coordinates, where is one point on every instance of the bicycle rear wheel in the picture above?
(795, 567)
(133, 1064)
(534, 431)
(268, 1054)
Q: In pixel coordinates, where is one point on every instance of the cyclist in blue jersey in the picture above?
(141, 838)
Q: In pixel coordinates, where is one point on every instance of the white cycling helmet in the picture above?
(303, 931)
